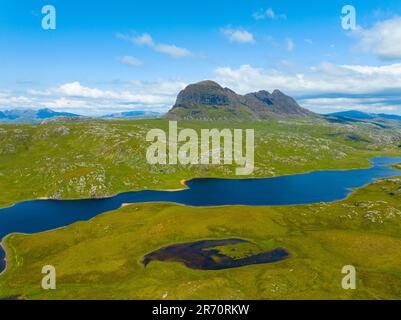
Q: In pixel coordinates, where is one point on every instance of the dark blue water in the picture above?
(319, 186)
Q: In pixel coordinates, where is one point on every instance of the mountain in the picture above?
(353, 114)
(389, 116)
(37, 116)
(207, 100)
(359, 115)
(31, 116)
(132, 114)
(48, 113)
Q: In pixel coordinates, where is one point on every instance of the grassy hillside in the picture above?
(102, 258)
(101, 158)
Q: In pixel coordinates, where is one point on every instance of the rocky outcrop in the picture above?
(207, 100)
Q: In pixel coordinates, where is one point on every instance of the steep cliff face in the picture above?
(207, 100)
(205, 92)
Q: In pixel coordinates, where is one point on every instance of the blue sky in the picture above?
(112, 56)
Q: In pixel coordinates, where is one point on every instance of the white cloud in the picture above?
(130, 60)
(147, 40)
(387, 108)
(136, 93)
(173, 50)
(290, 44)
(269, 14)
(9, 101)
(383, 39)
(144, 39)
(323, 80)
(77, 98)
(362, 104)
(390, 70)
(163, 88)
(66, 104)
(324, 87)
(75, 89)
(238, 35)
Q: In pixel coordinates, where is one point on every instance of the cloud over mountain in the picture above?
(383, 39)
(326, 87)
(354, 82)
(75, 97)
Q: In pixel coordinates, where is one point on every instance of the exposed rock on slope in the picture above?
(207, 100)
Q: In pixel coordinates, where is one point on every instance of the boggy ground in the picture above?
(101, 259)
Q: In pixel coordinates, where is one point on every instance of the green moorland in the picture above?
(101, 258)
(102, 158)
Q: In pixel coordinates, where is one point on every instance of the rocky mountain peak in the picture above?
(208, 100)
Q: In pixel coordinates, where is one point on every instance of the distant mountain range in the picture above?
(37, 116)
(133, 114)
(205, 100)
(29, 116)
(359, 115)
(209, 101)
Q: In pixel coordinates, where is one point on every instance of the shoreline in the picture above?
(351, 192)
(6, 253)
(2, 247)
(184, 182)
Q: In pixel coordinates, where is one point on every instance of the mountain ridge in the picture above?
(208, 100)
(27, 116)
(360, 115)
(132, 114)
(30, 115)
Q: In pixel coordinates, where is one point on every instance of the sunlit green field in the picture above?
(101, 258)
(102, 158)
